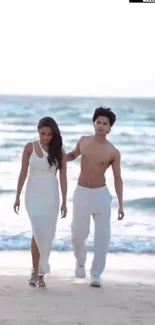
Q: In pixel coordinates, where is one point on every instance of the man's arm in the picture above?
(75, 153)
(116, 167)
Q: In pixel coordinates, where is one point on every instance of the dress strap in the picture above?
(43, 151)
(33, 147)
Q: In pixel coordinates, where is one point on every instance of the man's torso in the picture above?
(95, 160)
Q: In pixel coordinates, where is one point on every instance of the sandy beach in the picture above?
(126, 297)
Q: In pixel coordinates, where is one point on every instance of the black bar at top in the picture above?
(136, 1)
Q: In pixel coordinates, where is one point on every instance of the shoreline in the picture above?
(19, 262)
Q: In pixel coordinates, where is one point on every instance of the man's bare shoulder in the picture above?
(84, 138)
(115, 151)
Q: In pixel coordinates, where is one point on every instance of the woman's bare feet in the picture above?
(41, 282)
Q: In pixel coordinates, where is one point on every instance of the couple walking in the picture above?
(44, 158)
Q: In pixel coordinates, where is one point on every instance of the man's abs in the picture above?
(90, 182)
(91, 176)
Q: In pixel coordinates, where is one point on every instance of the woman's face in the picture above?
(46, 135)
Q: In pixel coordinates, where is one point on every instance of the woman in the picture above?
(44, 158)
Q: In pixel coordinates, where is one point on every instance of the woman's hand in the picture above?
(16, 206)
(63, 210)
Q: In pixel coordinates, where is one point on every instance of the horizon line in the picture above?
(74, 96)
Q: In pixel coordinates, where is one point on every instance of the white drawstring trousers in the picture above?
(95, 202)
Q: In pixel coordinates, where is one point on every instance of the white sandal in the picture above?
(33, 280)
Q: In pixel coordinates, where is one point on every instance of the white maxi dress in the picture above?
(42, 205)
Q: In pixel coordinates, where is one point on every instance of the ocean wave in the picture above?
(138, 165)
(9, 145)
(118, 244)
(25, 131)
(5, 192)
(141, 203)
(15, 122)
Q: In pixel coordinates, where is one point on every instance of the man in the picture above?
(91, 196)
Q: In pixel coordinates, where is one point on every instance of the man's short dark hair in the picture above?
(105, 112)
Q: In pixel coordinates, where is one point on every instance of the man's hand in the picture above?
(120, 214)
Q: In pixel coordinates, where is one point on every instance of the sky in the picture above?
(77, 47)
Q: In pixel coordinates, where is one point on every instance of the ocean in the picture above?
(133, 134)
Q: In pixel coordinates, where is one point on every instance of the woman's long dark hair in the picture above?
(55, 146)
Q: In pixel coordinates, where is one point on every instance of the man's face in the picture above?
(102, 125)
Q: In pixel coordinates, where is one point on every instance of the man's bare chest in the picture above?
(95, 155)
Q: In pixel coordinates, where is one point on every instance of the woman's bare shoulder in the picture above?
(28, 147)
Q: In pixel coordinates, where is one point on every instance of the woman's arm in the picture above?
(24, 169)
(63, 178)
